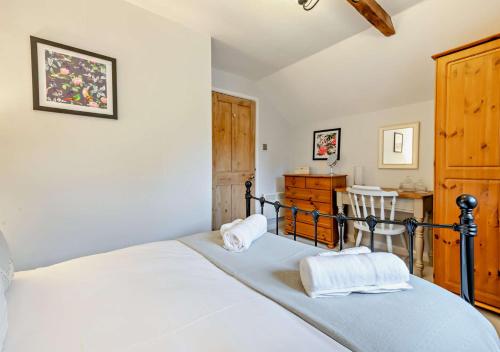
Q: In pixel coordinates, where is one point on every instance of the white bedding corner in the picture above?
(156, 297)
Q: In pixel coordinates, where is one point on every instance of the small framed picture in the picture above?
(325, 143)
(398, 142)
(73, 81)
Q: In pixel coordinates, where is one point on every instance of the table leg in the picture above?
(419, 249)
(340, 208)
(419, 238)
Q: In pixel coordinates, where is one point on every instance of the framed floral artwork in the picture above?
(73, 81)
(326, 142)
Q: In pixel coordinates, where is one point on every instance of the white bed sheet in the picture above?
(156, 297)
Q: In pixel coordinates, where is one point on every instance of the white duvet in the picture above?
(150, 298)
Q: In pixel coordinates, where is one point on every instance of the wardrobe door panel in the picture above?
(467, 159)
(472, 121)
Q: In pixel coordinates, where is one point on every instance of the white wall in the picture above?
(272, 129)
(70, 185)
(359, 144)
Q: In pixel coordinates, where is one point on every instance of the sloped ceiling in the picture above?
(367, 72)
(254, 38)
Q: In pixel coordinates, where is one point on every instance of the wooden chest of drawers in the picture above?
(310, 192)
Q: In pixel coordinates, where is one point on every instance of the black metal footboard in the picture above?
(466, 227)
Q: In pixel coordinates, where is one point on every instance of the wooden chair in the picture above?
(364, 197)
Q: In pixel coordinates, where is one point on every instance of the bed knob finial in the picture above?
(466, 201)
(248, 184)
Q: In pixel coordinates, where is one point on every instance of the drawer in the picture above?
(306, 230)
(307, 219)
(325, 208)
(319, 183)
(295, 181)
(317, 195)
(339, 181)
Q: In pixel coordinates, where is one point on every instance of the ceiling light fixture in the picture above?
(308, 5)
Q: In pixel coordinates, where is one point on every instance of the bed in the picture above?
(192, 295)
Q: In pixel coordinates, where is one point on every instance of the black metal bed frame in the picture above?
(466, 227)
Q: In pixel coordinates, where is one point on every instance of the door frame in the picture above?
(256, 183)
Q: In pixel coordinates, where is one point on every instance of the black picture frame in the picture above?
(39, 105)
(338, 131)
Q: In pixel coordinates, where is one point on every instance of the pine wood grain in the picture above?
(375, 14)
(467, 154)
(467, 46)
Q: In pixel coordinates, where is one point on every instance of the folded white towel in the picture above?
(352, 250)
(239, 237)
(324, 276)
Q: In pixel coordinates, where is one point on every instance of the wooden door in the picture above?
(468, 161)
(233, 155)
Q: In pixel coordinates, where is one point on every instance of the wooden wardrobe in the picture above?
(467, 160)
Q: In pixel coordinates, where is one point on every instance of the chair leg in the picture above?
(359, 238)
(389, 244)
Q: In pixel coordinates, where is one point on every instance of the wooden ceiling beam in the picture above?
(375, 14)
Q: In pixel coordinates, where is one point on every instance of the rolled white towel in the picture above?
(352, 250)
(239, 237)
(225, 227)
(340, 275)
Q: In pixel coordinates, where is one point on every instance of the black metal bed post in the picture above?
(294, 215)
(248, 197)
(341, 220)
(411, 226)
(315, 215)
(468, 230)
(277, 207)
(372, 221)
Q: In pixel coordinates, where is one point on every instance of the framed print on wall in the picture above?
(72, 81)
(325, 143)
(399, 146)
(398, 142)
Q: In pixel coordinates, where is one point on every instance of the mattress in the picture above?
(160, 296)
